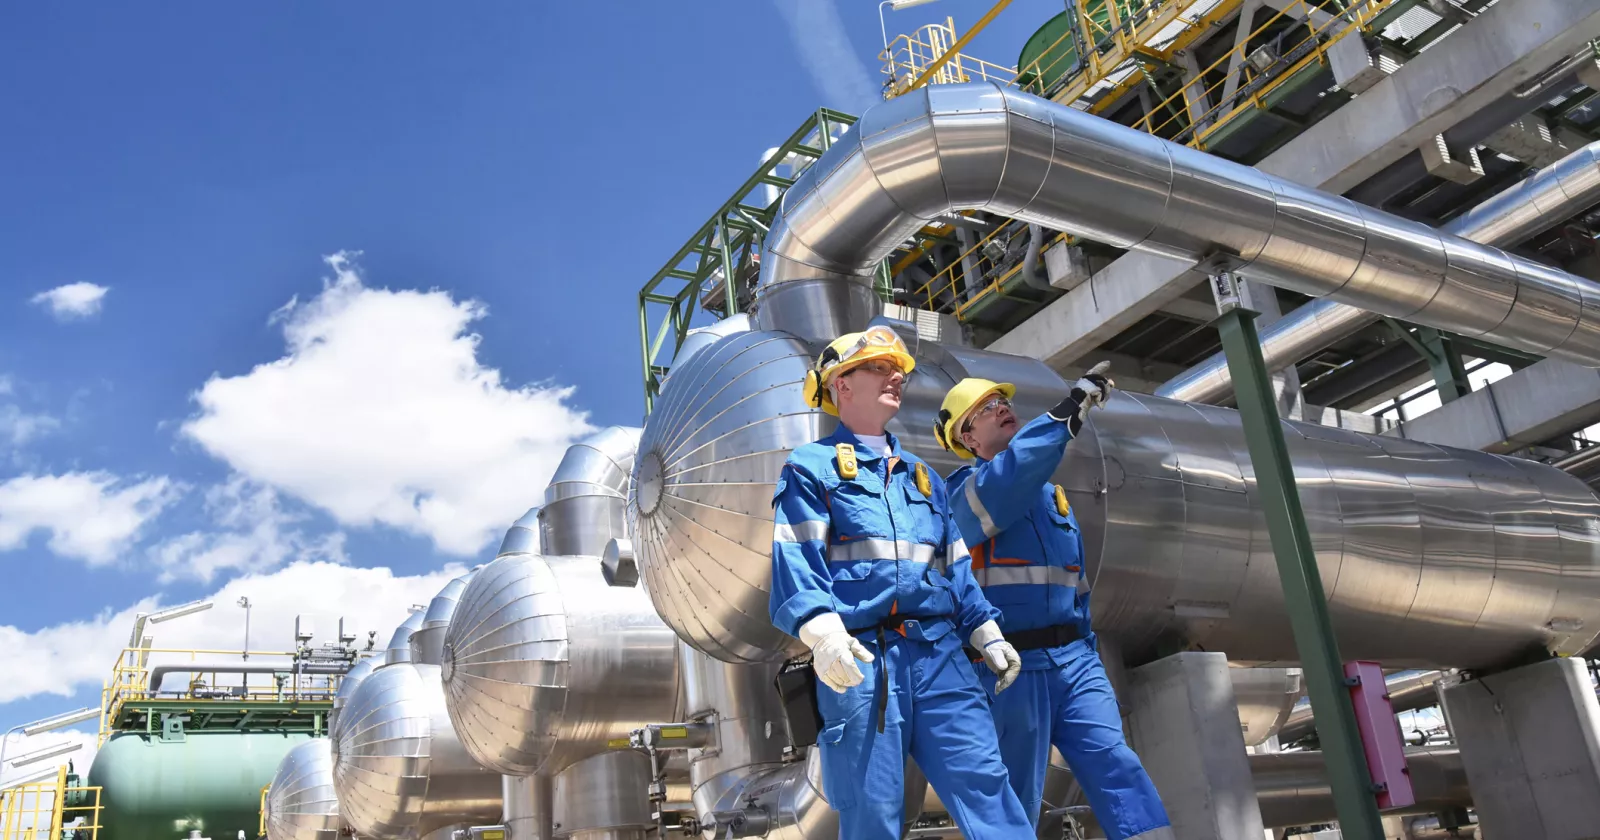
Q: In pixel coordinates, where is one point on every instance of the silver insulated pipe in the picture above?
(427, 641)
(301, 803)
(400, 769)
(982, 146)
(347, 686)
(399, 649)
(1555, 193)
(585, 502)
(1430, 556)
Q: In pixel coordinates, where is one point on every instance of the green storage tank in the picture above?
(208, 782)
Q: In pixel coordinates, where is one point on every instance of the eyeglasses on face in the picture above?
(988, 407)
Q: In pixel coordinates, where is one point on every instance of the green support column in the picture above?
(1297, 567)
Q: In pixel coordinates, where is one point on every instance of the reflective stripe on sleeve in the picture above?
(794, 532)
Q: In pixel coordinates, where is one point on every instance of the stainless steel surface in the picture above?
(301, 803)
(399, 649)
(200, 669)
(700, 338)
(399, 769)
(347, 687)
(1407, 691)
(605, 792)
(1266, 699)
(1551, 195)
(524, 535)
(1431, 557)
(982, 146)
(1292, 787)
(747, 717)
(529, 807)
(544, 663)
(585, 502)
(427, 641)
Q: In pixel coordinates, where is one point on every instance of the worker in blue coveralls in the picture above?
(868, 568)
(1027, 553)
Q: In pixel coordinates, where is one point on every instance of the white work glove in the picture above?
(1091, 390)
(834, 651)
(998, 654)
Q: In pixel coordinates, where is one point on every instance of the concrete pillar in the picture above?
(1530, 742)
(1184, 724)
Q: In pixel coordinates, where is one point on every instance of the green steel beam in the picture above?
(1302, 583)
(1444, 360)
(728, 231)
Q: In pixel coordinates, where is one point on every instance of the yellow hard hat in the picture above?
(849, 351)
(967, 395)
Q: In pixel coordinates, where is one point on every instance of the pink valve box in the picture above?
(1380, 735)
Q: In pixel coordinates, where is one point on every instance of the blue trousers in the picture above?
(1072, 706)
(937, 713)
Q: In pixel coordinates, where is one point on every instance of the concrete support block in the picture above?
(1357, 69)
(1529, 406)
(1067, 266)
(1530, 742)
(1184, 724)
(1461, 169)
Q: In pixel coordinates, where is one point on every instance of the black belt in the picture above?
(893, 622)
(1044, 637)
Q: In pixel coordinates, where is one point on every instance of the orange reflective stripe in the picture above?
(979, 554)
(1009, 561)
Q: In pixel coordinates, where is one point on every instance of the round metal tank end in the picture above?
(302, 804)
(701, 508)
(544, 662)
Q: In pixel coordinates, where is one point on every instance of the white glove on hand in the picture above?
(1096, 387)
(834, 651)
(998, 654)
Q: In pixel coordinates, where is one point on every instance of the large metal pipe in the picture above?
(544, 663)
(301, 803)
(1431, 557)
(1556, 192)
(1407, 692)
(427, 641)
(983, 146)
(586, 501)
(1292, 787)
(604, 797)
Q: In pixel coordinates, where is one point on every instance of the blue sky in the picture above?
(335, 283)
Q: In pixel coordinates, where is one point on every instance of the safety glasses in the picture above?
(984, 409)
(879, 337)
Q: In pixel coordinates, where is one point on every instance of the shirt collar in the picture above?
(864, 453)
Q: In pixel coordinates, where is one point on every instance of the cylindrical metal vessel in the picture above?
(302, 804)
(529, 809)
(605, 795)
(525, 535)
(1266, 698)
(427, 642)
(399, 649)
(544, 663)
(347, 687)
(399, 768)
(1292, 787)
(750, 728)
(210, 781)
(586, 500)
(1430, 556)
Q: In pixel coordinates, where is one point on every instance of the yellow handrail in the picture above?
(39, 810)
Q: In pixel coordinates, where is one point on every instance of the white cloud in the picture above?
(17, 427)
(381, 413)
(258, 535)
(67, 657)
(825, 50)
(72, 301)
(19, 745)
(89, 515)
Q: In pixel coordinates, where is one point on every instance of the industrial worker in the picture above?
(1027, 553)
(870, 573)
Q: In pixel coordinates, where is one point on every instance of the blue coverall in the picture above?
(886, 558)
(1028, 555)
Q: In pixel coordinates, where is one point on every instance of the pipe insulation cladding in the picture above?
(981, 146)
(1430, 556)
